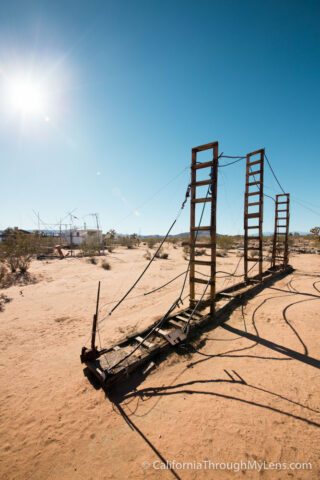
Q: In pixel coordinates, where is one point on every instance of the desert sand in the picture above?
(251, 393)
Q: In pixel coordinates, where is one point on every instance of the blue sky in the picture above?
(131, 86)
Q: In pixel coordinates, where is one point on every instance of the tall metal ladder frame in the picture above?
(212, 182)
(280, 237)
(254, 178)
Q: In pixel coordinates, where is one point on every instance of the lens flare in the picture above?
(27, 96)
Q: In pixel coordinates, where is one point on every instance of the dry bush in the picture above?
(186, 249)
(17, 251)
(162, 254)
(106, 265)
(90, 248)
(148, 255)
(93, 260)
(225, 242)
(3, 300)
(185, 243)
(199, 253)
(151, 242)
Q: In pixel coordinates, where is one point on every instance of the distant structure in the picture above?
(78, 237)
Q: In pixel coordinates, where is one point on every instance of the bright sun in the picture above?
(27, 97)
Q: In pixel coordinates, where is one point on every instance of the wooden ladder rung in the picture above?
(253, 238)
(282, 210)
(201, 262)
(201, 183)
(253, 204)
(194, 229)
(252, 183)
(254, 163)
(197, 166)
(281, 203)
(200, 280)
(251, 226)
(254, 259)
(253, 193)
(258, 172)
(203, 245)
(253, 215)
(183, 319)
(174, 323)
(145, 343)
(201, 200)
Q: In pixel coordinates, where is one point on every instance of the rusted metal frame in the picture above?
(213, 232)
(259, 214)
(212, 227)
(286, 244)
(121, 373)
(277, 234)
(192, 223)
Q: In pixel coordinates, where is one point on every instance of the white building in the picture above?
(77, 237)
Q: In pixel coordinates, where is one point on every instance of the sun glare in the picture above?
(27, 96)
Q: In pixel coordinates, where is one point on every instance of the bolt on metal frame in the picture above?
(254, 178)
(280, 251)
(212, 198)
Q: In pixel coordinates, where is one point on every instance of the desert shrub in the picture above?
(130, 241)
(93, 260)
(110, 249)
(17, 251)
(186, 249)
(106, 265)
(151, 242)
(90, 248)
(148, 255)
(220, 254)
(199, 253)
(3, 273)
(185, 243)
(173, 240)
(162, 254)
(225, 242)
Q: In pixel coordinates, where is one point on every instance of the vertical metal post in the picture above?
(95, 320)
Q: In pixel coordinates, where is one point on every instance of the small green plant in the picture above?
(151, 242)
(106, 265)
(17, 250)
(225, 242)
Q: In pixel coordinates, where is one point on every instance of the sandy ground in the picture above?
(250, 394)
